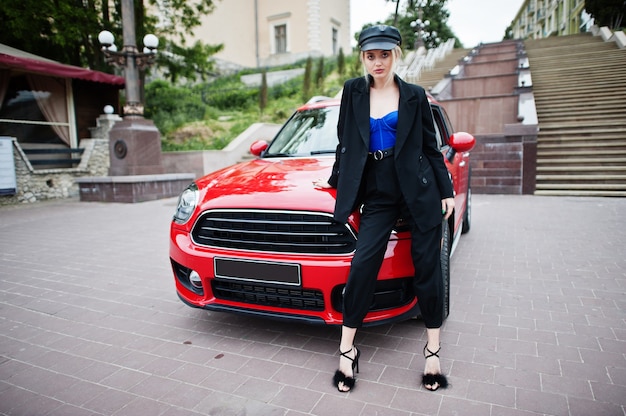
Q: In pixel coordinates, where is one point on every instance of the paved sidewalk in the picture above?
(90, 323)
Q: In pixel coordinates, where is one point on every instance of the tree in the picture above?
(508, 33)
(319, 75)
(395, 16)
(263, 91)
(433, 11)
(607, 12)
(341, 63)
(192, 62)
(66, 30)
(306, 84)
(59, 30)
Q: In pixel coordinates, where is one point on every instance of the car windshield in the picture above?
(307, 132)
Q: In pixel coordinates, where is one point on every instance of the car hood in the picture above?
(272, 183)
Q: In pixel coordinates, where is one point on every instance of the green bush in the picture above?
(235, 98)
(171, 107)
(209, 115)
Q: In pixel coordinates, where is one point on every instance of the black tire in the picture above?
(444, 257)
(467, 216)
(446, 242)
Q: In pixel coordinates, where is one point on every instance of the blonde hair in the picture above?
(396, 54)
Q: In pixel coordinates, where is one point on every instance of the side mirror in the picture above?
(258, 147)
(462, 142)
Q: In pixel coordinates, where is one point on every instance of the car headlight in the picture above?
(186, 204)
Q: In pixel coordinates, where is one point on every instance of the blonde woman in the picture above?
(388, 163)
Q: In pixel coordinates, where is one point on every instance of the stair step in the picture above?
(548, 75)
(574, 161)
(583, 186)
(590, 146)
(581, 130)
(573, 178)
(582, 110)
(595, 193)
(596, 124)
(579, 136)
(429, 78)
(595, 96)
(580, 53)
(580, 142)
(574, 139)
(552, 70)
(581, 118)
(603, 103)
(561, 101)
(587, 87)
(547, 157)
(590, 170)
(551, 122)
(611, 88)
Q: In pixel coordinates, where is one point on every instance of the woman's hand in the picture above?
(447, 207)
(321, 183)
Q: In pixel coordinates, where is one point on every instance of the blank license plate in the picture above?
(258, 271)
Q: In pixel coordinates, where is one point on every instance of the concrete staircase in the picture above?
(579, 85)
(482, 97)
(429, 78)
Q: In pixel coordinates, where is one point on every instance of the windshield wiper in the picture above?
(322, 152)
(277, 155)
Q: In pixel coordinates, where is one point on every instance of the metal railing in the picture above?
(420, 61)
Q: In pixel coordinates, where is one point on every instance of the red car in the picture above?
(258, 238)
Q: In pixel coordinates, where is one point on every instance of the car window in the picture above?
(440, 126)
(314, 131)
(307, 132)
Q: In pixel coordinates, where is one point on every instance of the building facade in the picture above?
(264, 33)
(538, 19)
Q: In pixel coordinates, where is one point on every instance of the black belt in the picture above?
(381, 154)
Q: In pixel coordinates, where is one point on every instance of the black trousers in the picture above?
(383, 205)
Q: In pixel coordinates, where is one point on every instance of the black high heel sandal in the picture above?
(433, 379)
(340, 377)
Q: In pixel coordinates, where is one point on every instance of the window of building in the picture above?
(35, 110)
(280, 38)
(335, 39)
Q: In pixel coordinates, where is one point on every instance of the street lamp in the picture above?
(134, 142)
(419, 27)
(129, 57)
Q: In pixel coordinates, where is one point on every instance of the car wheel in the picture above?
(467, 216)
(445, 266)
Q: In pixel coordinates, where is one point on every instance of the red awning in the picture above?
(51, 68)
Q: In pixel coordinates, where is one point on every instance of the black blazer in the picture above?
(421, 171)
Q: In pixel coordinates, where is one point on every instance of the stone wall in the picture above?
(35, 185)
(505, 163)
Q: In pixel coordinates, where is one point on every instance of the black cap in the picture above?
(379, 37)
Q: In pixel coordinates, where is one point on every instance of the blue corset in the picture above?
(383, 131)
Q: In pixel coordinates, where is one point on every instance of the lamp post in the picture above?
(134, 142)
(419, 27)
(129, 57)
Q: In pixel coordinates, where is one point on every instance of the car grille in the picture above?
(274, 231)
(388, 294)
(262, 294)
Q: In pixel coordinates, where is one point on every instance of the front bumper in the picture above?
(318, 297)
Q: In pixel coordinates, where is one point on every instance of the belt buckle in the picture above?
(378, 155)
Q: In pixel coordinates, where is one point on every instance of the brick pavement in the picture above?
(90, 323)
